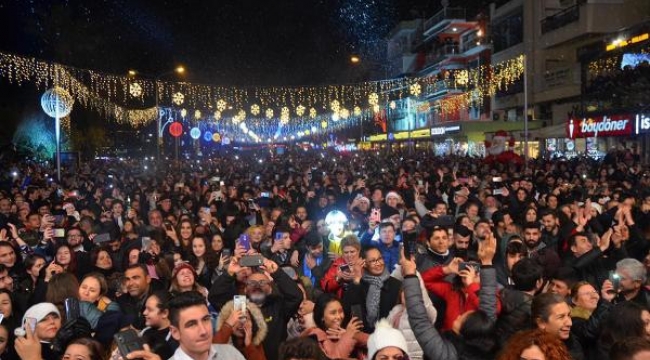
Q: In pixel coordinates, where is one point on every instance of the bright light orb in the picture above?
(415, 89)
(335, 105)
(357, 111)
(183, 113)
(217, 115)
(57, 102)
(312, 113)
(373, 99)
(323, 124)
(345, 113)
(197, 114)
(207, 136)
(195, 133)
(269, 113)
(393, 105)
(216, 137)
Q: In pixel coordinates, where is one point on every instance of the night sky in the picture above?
(226, 42)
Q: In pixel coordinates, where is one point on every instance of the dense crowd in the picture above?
(326, 255)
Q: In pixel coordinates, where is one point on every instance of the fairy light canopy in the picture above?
(295, 108)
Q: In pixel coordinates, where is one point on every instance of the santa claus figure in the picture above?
(500, 149)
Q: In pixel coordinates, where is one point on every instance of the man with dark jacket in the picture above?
(516, 302)
(278, 305)
(590, 261)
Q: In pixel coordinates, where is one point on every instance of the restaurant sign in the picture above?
(615, 125)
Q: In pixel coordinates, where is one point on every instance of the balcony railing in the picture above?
(469, 44)
(431, 90)
(445, 14)
(561, 19)
(441, 53)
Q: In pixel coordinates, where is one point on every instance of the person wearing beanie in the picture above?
(386, 341)
(48, 322)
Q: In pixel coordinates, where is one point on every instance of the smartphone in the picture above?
(244, 241)
(410, 245)
(375, 215)
(345, 268)
(497, 192)
(146, 243)
(59, 232)
(265, 194)
(58, 219)
(615, 279)
(420, 183)
(72, 310)
(251, 261)
(239, 303)
(226, 252)
(128, 341)
(102, 238)
(31, 322)
(356, 311)
(168, 226)
(464, 265)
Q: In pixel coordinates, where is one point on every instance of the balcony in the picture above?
(442, 53)
(443, 87)
(561, 19)
(475, 45)
(443, 18)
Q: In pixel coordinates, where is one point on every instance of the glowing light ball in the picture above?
(207, 136)
(175, 129)
(57, 102)
(216, 137)
(195, 133)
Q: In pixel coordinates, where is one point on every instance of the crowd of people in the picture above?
(325, 255)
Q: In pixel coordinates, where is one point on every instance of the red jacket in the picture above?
(458, 302)
(328, 282)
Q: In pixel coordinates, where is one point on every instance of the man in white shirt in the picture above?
(191, 326)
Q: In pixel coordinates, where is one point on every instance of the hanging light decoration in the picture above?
(344, 113)
(178, 98)
(175, 129)
(195, 133)
(375, 108)
(357, 111)
(255, 109)
(300, 110)
(336, 117)
(269, 113)
(135, 89)
(183, 113)
(373, 99)
(284, 115)
(216, 137)
(242, 114)
(312, 113)
(415, 89)
(197, 114)
(323, 124)
(236, 119)
(216, 115)
(221, 104)
(392, 105)
(207, 136)
(335, 105)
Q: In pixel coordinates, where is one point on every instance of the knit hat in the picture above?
(385, 336)
(41, 311)
(183, 265)
(393, 194)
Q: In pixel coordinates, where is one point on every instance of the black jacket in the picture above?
(356, 295)
(515, 314)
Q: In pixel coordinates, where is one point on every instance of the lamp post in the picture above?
(156, 79)
(357, 61)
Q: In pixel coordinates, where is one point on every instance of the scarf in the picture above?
(374, 295)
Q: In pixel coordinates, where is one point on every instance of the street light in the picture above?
(180, 70)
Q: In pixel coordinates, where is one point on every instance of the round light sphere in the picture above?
(195, 133)
(216, 137)
(57, 102)
(207, 136)
(175, 129)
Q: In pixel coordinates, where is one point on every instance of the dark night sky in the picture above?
(226, 42)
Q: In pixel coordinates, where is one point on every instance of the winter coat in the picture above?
(254, 351)
(449, 347)
(398, 317)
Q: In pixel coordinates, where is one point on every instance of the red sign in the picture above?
(176, 129)
(616, 125)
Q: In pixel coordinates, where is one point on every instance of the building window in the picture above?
(508, 31)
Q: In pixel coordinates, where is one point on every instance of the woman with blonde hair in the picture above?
(534, 345)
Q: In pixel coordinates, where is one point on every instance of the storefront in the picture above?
(594, 136)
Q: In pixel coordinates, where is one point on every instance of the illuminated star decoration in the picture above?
(135, 90)
(221, 105)
(178, 98)
(255, 109)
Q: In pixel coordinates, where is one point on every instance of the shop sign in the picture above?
(616, 125)
(401, 135)
(420, 134)
(443, 130)
(619, 43)
(642, 123)
(380, 137)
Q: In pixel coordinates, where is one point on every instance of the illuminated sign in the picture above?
(401, 135)
(623, 43)
(642, 123)
(420, 134)
(380, 137)
(617, 125)
(444, 130)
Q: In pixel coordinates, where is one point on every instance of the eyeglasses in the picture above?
(253, 283)
(376, 261)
